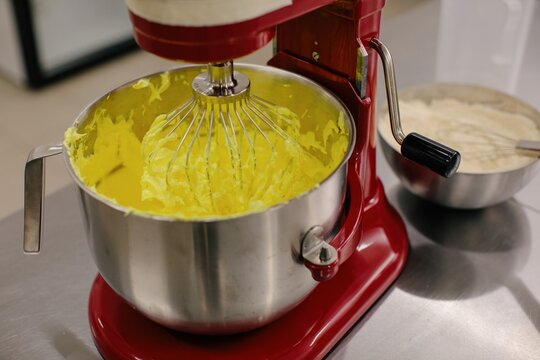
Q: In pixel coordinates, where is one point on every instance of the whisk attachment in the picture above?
(221, 137)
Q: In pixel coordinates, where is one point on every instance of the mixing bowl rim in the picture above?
(131, 211)
(514, 99)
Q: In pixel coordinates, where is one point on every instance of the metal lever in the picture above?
(391, 88)
(424, 151)
(34, 183)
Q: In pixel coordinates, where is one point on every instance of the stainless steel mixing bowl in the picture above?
(462, 190)
(217, 275)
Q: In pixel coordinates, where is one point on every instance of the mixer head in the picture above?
(211, 30)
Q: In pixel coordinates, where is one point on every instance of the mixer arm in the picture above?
(416, 147)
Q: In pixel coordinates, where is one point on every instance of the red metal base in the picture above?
(307, 332)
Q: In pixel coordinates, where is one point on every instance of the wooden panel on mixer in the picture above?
(329, 36)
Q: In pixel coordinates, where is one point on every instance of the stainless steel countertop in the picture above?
(470, 289)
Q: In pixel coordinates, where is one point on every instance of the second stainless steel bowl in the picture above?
(462, 190)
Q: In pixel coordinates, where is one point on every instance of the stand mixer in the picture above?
(334, 44)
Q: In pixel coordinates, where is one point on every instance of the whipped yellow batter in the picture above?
(228, 168)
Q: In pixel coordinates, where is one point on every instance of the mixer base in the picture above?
(309, 331)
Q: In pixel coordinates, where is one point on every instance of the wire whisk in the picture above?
(221, 138)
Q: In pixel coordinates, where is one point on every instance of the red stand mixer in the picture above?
(333, 43)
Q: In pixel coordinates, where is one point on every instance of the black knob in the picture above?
(431, 154)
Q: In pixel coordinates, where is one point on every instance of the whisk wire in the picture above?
(257, 127)
(179, 122)
(207, 158)
(170, 118)
(248, 137)
(271, 107)
(236, 146)
(194, 138)
(181, 143)
(230, 146)
(267, 120)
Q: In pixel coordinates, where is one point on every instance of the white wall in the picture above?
(11, 64)
(64, 31)
(69, 29)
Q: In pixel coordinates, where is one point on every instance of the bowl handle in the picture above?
(34, 183)
(420, 149)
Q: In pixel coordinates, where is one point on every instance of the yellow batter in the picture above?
(225, 170)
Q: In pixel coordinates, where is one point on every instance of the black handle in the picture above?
(429, 153)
